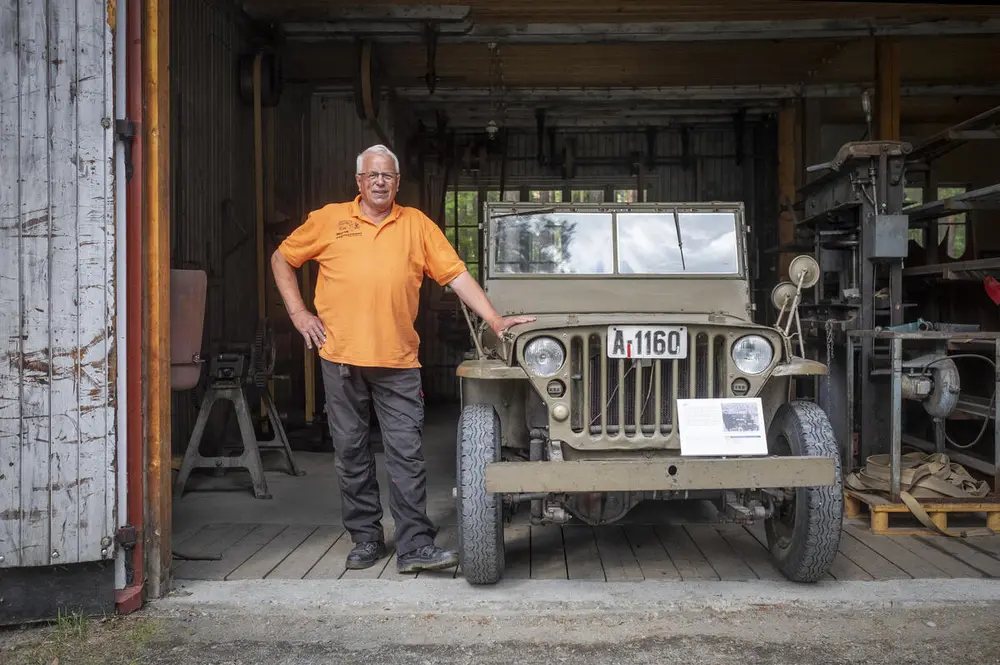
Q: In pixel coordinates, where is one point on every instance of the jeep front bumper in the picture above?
(675, 473)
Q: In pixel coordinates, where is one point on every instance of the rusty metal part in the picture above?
(677, 473)
(188, 290)
(134, 205)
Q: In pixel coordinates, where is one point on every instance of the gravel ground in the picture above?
(203, 627)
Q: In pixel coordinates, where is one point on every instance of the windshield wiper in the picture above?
(523, 212)
(680, 243)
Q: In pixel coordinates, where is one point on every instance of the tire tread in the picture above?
(814, 548)
(480, 516)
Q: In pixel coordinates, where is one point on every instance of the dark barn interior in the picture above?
(717, 100)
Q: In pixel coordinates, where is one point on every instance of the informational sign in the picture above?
(725, 427)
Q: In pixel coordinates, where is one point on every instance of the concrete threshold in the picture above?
(436, 596)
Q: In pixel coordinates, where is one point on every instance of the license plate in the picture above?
(648, 342)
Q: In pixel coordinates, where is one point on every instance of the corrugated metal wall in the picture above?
(338, 135)
(57, 283)
(212, 174)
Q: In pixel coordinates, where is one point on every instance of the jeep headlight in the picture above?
(544, 356)
(752, 354)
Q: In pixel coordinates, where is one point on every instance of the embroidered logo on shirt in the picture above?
(348, 228)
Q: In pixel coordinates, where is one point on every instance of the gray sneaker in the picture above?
(428, 557)
(364, 555)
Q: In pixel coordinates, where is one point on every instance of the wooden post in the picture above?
(156, 134)
(887, 95)
(787, 176)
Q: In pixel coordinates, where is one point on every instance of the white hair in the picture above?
(377, 150)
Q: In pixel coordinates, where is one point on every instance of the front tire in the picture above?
(480, 513)
(804, 533)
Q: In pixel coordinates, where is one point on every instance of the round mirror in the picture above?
(783, 294)
(806, 268)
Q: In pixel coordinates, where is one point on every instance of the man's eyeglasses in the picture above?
(374, 175)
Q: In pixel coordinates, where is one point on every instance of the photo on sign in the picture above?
(723, 427)
(740, 417)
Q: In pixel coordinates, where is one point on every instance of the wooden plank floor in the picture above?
(614, 553)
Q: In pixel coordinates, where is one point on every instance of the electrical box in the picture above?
(891, 235)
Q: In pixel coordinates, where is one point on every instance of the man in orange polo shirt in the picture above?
(373, 255)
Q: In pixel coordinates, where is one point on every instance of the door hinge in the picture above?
(126, 538)
(125, 131)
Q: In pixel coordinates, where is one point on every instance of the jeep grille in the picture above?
(608, 394)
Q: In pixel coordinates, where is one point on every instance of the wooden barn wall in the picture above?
(58, 401)
(213, 213)
(712, 169)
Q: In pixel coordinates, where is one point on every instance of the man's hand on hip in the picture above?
(311, 328)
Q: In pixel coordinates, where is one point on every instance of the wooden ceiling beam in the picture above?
(403, 31)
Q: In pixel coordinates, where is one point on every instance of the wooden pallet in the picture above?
(880, 508)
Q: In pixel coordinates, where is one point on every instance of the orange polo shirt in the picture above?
(369, 279)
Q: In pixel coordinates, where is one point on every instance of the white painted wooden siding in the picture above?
(57, 283)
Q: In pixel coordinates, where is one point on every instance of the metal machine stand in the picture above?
(853, 217)
(228, 374)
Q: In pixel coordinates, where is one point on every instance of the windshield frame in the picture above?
(494, 209)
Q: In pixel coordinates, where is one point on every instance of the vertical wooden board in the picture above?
(10, 292)
(35, 221)
(304, 557)
(548, 557)
(689, 561)
(869, 560)
(724, 559)
(66, 484)
(750, 551)
(269, 557)
(914, 566)
(654, 562)
(945, 562)
(95, 292)
(619, 561)
(583, 560)
(517, 555)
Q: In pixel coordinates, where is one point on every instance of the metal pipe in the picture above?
(896, 417)
(996, 418)
(134, 458)
(849, 430)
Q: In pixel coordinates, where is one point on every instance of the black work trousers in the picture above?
(399, 405)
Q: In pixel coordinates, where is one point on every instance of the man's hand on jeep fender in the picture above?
(311, 328)
(504, 323)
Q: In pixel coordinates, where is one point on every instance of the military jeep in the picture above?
(639, 309)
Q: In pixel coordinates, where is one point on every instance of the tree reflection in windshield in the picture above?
(555, 243)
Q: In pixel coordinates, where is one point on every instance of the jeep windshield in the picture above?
(664, 241)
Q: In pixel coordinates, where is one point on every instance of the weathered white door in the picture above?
(57, 283)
